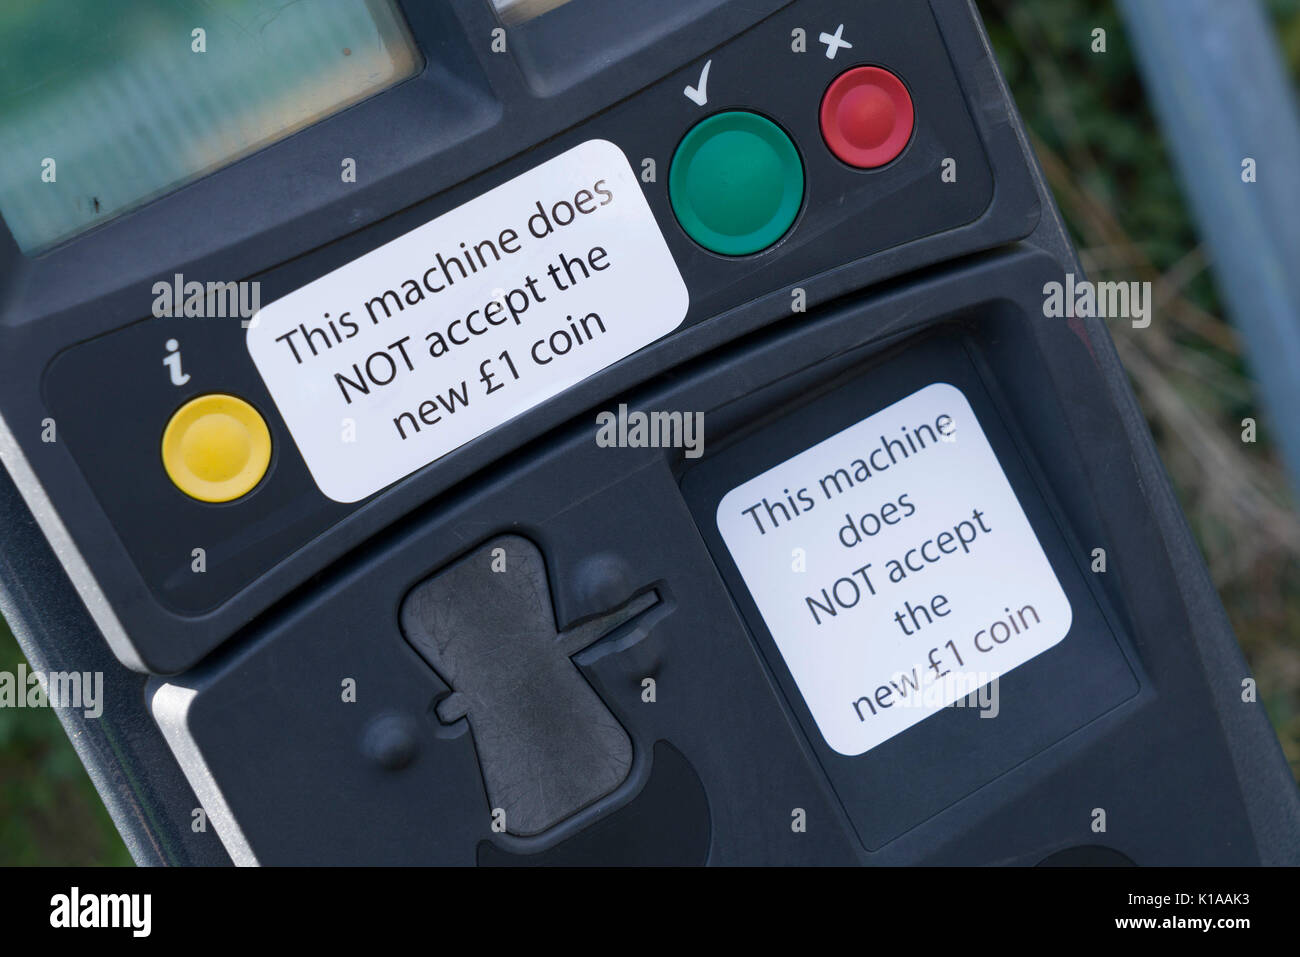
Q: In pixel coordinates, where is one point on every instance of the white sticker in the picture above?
(427, 342)
(895, 569)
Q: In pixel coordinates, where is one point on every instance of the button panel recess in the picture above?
(867, 117)
(736, 183)
(736, 186)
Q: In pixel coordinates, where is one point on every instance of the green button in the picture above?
(736, 183)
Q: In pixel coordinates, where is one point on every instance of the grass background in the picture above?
(1102, 153)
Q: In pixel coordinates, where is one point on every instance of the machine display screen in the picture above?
(105, 106)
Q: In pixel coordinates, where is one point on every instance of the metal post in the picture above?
(1218, 84)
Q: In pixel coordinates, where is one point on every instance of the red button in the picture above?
(867, 117)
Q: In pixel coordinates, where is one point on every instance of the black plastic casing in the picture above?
(906, 279)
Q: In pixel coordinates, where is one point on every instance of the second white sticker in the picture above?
(895, 568)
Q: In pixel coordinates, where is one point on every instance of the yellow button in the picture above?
(216, 448)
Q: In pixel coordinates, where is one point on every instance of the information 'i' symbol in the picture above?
(173, 363)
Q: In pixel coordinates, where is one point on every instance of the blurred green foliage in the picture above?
(49, 811)
(1104, 156)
